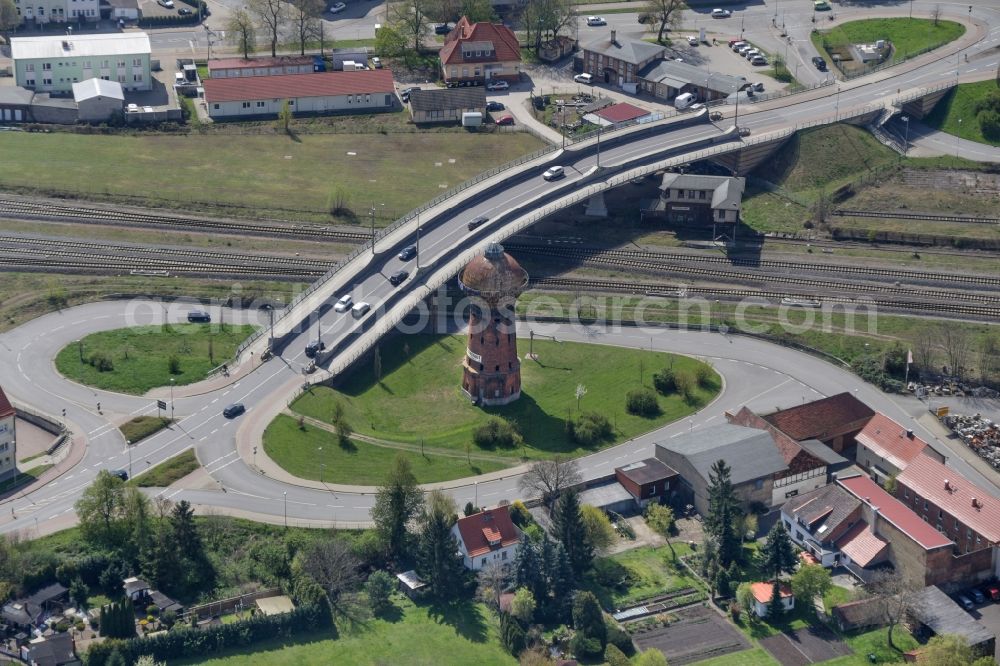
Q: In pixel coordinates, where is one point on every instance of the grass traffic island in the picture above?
(168, 471)
(958, 113)
(142, 427)
(310, 452)
(419, 402)
(909, 37)
(135, 360)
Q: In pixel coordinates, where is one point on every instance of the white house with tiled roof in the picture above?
(489, 536)
(479, 52)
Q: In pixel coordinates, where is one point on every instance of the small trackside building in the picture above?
(98, 100)
(618, 61)
(648, 480)
(487, 536)
(367, 91)
(446, 105)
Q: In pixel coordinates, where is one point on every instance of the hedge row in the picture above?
(186, 642)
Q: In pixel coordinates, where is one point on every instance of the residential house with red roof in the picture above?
(968, 514)
(487, 536)
(921, 553)
(834, 420)
(885, 448)
(763, 593)
(8, 445)
(224, 68)
(365, 91)
(475, 53)
(618, 61)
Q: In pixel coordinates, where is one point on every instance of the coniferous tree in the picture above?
(777, 555)
(567, 528)
(723, 511)
(588, 618)
(511, 634)
(775, 609)
(396, 503)
(438, 561)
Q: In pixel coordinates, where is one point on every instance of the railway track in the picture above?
(648, 289)
(26, 210)
(164, 268)
(916, 216)
(643, 259)
(78, 249)
(813, 285)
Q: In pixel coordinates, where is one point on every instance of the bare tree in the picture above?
(924, 344)
(936, 14)
(665, 12)
(270, 16)
(548, 478)
(545, 18)
(957, 344)
(9, 19)
(493, 579)
(894, 595)
(411, 18)
(331, 563)
(241, 32)
(306, 20)
(989, 357)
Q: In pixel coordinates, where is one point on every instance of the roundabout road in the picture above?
(758, 374)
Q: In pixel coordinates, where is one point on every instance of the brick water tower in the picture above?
(491, 371)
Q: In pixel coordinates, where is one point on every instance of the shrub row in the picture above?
(186, 642)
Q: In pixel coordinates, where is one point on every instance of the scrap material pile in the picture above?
(981, 435)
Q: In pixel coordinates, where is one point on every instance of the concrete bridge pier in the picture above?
(596, 206)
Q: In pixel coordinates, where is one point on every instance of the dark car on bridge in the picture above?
(234, 410)
(408, 253)
(398, 277)
(314, 347)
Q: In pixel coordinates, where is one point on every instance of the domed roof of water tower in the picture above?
(493, 274)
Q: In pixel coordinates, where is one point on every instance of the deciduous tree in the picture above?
(378, 589)
(651, 657)
(241, 31)
(411, 18)
(522, 606)
(597, 527)
(271, 18)
(333, 565)
(100, 510)
(660, 519)
(305, 18)
(548, 478)
(810, 581)
(952, 650)
(9, 19)
(894, 596)
(667, 13)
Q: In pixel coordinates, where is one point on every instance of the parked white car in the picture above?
(693, 41)
(584, 78)
(596, 20)
(337, 7)
(721, 13)
(497, 85)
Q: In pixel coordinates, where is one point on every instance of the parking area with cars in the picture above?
(989, 616)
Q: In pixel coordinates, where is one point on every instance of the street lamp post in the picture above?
(171, 398)
(319, 328)
(906, 135)
(599, 128)
(957, 136)
(373, 225)
(79, 345)
(285, 495)
(128, 445)
(836, 112)
(418, 241)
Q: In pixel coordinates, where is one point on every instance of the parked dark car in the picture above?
(442, 29)
(479, 221)
(184, 11)
(199, 316)
(398, 278)
(234, 410)
(819, 63)
(408, 253)
(405, 93)
(495, 106)
(978, 596)
(314, 347)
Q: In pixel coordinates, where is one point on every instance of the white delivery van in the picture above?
(684, 100)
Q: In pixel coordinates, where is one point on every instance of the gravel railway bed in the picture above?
(642, 259)
(665, 291)
(26, 210)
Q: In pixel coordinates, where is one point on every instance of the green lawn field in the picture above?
(141, 355)
(314, 453)
(257, 175)
(958, 104)
(420, 397)
(410, 634)
(168, 471)
(651, 572)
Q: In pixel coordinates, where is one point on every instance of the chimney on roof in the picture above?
(614, 36)
(975, 503)
(909, 434)
(947, 484)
